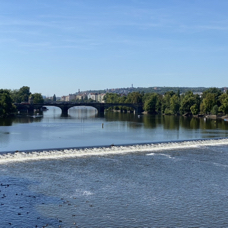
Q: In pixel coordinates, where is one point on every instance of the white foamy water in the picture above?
(102, 151)
(166, 155)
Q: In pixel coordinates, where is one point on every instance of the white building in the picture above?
(93, 96)
(64, 98)
(100, 97)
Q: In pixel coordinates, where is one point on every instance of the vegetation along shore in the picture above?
(211, 103)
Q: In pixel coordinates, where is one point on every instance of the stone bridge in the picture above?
(64, 106)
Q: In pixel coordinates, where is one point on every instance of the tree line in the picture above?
(212, 101)
(8, 97)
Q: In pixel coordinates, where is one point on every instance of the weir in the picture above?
(23, 156)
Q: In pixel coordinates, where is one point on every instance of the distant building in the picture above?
(92, 96)
(96, 97)
(72, 97)
(198, 93)
(65, 98)
(81, 96)
(100, 97)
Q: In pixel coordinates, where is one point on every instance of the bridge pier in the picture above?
(30, 109)
(64, 111)
(138, 109)
(100, 109)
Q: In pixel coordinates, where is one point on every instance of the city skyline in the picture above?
(58, 47)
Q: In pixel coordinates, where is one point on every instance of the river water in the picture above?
(84, 128)
(135, 182)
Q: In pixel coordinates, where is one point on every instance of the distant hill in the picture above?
(159, 90)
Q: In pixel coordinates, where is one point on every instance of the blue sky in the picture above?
(58, 47)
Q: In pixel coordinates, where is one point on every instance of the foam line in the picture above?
(107, 150)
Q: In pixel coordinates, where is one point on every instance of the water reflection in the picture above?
(6, 121)
(133, 121)
(20, 119)
(85, 127)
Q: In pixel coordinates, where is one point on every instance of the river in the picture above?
(130, 171)
(84, 128)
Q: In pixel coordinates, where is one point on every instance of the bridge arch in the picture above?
(65, 106)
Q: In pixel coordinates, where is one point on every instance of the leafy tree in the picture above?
(112, 98)
(37, 98)
(213, 90)
(122, 99)
(214, 110)
(178, 93)
(24, 93)
(194, 109)
(159, 103)
(150, 104)
(134, 97)
(187, 101)
(6, 103)
(217, 92)
(15, 95)
(224, 103)
(21, 95)
(174, 104)
(168, 112)
(208, 102)
(166, 102)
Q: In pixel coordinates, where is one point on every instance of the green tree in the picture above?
(6, 103)
(214, 110)
(213, 90)
(187, 101)
(224, 103)
(217, 93)
(122, 100)
(134, 97)
(24, 93)
(15, 95)
(150, 104)
(111, 98)
(194, 109)
(175, 104)
(159, 103)
(166, 102)
(208, 102)
(37, 98)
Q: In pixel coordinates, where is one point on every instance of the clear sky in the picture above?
(60, 46)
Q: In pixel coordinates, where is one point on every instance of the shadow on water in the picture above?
(9, 121)
(175, 122)
(6, 121)
(165, 121)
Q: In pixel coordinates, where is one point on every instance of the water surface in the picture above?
(83, 127)
(165, 188)
(175, 184)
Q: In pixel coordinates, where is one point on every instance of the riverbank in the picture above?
(219, 116)
(222, 117)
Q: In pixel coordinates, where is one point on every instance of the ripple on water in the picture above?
(137, 191)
